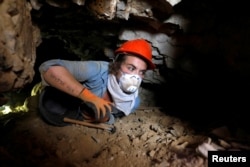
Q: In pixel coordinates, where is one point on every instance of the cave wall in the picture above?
(18, 42)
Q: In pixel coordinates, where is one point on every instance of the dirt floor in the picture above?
(148, 138)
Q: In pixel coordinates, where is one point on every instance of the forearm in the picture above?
(60, 78)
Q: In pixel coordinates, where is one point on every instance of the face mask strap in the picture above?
(118, 56)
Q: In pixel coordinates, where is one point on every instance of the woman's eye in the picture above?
(142, 73)
(130, 68)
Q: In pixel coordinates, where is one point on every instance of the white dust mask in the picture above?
(129, 83)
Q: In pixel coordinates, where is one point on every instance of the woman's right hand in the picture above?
(100, 107)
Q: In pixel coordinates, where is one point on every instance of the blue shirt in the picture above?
(92, 74)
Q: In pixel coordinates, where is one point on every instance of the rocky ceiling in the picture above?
(191, 38)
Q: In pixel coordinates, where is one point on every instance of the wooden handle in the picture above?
(91, 125)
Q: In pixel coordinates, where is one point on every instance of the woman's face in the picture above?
(133, 65)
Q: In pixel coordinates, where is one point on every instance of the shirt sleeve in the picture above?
(90, 73)
(86, 71)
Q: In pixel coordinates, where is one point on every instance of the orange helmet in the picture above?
(140, 48)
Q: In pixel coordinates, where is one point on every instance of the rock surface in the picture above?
(19, 39)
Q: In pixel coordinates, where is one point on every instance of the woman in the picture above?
(106, 89)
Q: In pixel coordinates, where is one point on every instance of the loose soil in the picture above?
(147, 138)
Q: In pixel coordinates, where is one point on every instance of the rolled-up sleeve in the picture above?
(93, 74)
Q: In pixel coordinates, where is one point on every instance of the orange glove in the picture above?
(101, 108)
